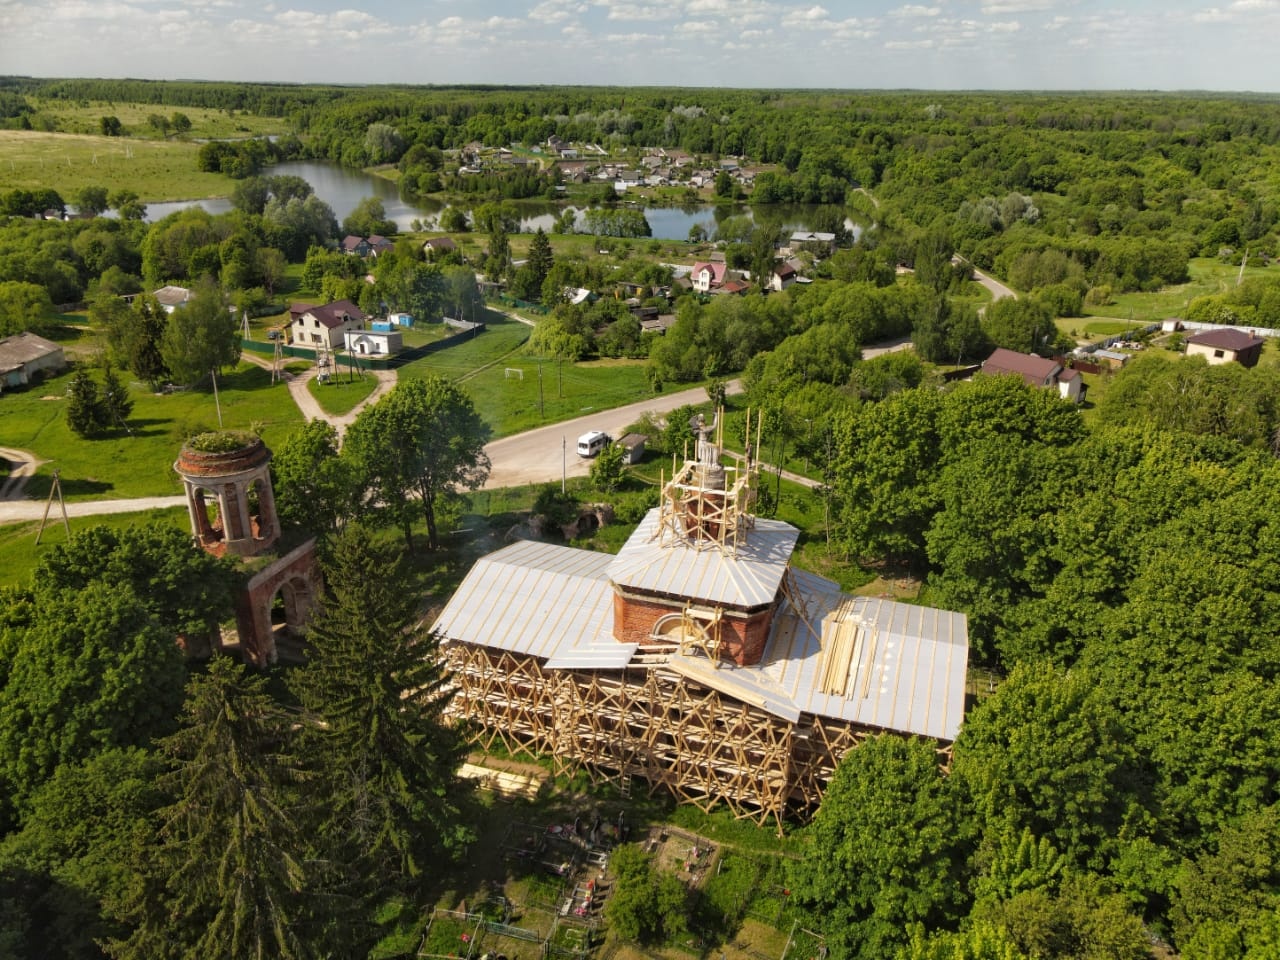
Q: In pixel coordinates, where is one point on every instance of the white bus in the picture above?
(592, 442)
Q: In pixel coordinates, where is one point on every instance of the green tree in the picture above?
(609, 468)
(201, 336)
(93, 670)
(24, 306)
(415, 449)
(888, 842)
(313, 485)
(1022, 325)
(80, 831)
(117, 405)
(224, 872)
(373, 694)
(127, 204)
(369, 217)
(90, 200)
(647, 904)
(110, 126)
(86, 415)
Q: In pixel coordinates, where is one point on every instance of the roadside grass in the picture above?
(83, 116)
(139, 464)
(19, 553)
(155, 170)
(341, 394)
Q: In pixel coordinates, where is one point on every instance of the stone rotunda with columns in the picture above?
(227, 479)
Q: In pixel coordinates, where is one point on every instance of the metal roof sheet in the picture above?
(539, 599)
(908, 675)
(749, 578)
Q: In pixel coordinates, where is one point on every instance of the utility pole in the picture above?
(541, 412)
(55, 489)
(216, 402)
(564, 469)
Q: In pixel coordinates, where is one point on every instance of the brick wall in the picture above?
(742, 636)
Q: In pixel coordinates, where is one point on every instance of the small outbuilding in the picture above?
(373, 343)
(25, 357)
(632, 447)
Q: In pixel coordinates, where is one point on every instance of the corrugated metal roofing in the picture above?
(750, 578)
(539, 599)
(908, 673)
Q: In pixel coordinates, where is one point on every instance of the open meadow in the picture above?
(155, 170)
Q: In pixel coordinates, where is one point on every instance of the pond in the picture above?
(343, 189)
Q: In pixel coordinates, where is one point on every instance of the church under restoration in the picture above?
(696, 659)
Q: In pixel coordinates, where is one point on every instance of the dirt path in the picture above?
(310, 407)
(24, 467)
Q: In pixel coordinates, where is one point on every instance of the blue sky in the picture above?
(934, 44)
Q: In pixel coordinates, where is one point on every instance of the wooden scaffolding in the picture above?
(649, 722)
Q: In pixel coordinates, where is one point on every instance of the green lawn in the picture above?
(19, 553)
(140, 464)
(340, 395)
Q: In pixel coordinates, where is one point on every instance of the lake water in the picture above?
(343, 189)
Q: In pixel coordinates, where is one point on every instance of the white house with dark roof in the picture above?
(326, 326)
(1037, 372)
(1226, 345)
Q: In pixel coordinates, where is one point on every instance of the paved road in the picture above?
(540, 456)
(998, 290)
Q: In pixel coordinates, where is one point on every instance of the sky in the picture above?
(935, 44)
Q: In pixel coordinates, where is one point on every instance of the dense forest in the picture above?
(1113, 795)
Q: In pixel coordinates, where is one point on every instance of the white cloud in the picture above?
(1015, 6)
(915, 10)
(1006, 26)
(813, 13)
(1057, 23)
(909, 44)
(556, 11)
(637, 11)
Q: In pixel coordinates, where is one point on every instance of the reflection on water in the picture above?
(343, 189)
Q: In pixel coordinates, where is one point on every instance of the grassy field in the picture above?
(340, 395)
(153, 169)
(19, 553)
(83, 116)
(138, 465)
(1208, 276)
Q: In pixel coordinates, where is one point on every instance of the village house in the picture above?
(326, 326)
(438, 246)
(171, 297)
(25, 358)
(1226, 345)
(1037, 372)
(707, 276)
(371, 246)
(783, 276)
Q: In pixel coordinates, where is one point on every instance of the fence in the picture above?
(292, 351)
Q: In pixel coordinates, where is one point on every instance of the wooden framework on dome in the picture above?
(707, 502)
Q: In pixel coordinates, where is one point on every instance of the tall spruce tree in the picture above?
(373, 693)
(85, 414)
(224, 873)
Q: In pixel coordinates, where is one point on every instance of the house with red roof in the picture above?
(707, 276)
(326, 326)
(1037, 372)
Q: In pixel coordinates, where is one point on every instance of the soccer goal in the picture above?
(514, 373)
